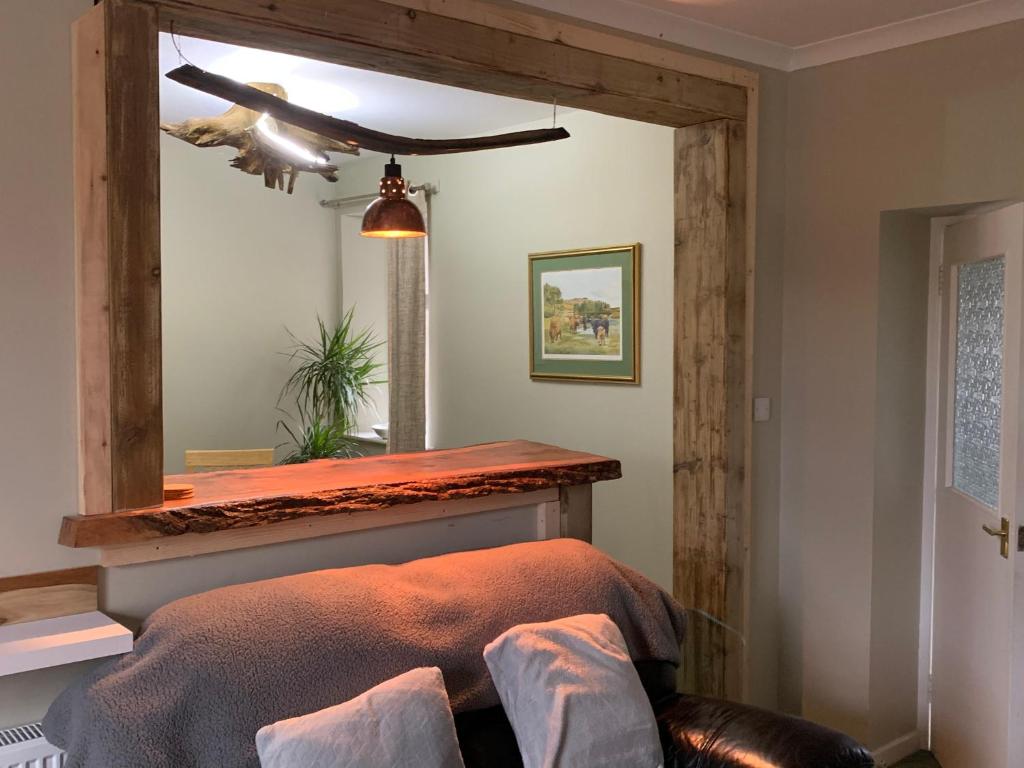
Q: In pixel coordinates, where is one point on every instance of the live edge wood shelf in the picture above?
(331, 496)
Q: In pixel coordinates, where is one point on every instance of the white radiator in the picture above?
(26, 747)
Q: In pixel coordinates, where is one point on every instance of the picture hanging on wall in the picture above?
(585, 314)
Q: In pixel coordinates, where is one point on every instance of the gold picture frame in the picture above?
(592, 335)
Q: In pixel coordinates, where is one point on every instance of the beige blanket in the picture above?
(208, 671)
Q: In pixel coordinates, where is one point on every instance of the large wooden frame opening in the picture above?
(501, 49)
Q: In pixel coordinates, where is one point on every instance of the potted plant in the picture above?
(333, 378)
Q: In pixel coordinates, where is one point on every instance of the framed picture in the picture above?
(585, 314)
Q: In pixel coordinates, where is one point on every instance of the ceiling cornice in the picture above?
(640, 18)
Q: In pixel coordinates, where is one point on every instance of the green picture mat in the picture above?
(617, 369)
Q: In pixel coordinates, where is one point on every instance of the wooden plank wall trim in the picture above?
(578, 33)
(88, 55)
(48, 595)
(133, 211)
(710, 382)
(384, 37)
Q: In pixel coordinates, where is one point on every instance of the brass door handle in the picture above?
(1003, 533)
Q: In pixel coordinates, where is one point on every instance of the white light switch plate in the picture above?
(762, 409)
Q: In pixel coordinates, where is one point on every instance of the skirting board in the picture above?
(898, 749)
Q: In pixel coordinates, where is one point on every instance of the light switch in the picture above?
(762, 409)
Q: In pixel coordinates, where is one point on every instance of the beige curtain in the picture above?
(407, 338)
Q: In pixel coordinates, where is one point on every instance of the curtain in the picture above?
(407, 338)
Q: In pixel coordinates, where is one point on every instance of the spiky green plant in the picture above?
(334, 373)
(332, 379)
(319, 441)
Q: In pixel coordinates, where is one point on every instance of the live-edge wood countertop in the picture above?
(255, 497)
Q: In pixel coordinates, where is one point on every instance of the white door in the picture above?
(974, 717)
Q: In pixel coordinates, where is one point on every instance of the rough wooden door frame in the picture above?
(711, 395)
(490, 46)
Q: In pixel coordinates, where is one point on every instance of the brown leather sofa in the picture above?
(696, 733)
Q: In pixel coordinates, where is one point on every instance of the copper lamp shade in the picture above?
(392, 215)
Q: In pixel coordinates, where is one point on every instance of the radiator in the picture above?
(26, 747)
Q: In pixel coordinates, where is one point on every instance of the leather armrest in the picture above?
(710, 733)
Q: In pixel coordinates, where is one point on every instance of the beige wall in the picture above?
(904, 251)
(38, 455)
(932, 124)
(241, 266)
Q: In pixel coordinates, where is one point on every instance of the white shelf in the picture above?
(64, 640)
(369, 437)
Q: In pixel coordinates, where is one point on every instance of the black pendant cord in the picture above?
(345, 131)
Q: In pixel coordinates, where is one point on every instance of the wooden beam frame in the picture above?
(710, 396)
(117, 250)
(497, 47)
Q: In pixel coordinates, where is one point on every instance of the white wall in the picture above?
(241, 266)
(364, 281)
(611, 183)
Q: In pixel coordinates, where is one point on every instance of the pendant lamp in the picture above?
(392, 214)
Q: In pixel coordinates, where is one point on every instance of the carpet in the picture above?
(918, 760)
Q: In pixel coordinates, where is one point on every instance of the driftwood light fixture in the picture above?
(265, 146)
(263, 101)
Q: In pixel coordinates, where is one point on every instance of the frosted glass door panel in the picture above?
(979, 380)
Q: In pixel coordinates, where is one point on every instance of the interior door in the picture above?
(977, 496)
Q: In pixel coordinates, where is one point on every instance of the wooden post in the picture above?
(577, 511)
(710, 420)
(117, 247)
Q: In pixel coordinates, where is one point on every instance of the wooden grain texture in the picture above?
(133, 210)
(709, 395)
(347, 134)
(192, 544)
(88, 55)
(579, 33)
(204, 460)
(375, 35)
(577, 512)
(47, 595)
(117, 245)
(259, 497)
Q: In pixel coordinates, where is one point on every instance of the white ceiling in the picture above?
(791, 34)
(802, 22)
(374, 100)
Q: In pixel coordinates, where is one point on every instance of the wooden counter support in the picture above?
(326, 497)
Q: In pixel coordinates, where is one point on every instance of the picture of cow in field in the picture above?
(555, 330)
(581, 314)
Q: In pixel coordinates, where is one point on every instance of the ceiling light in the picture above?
(326, 98)
(247, 65)
(392, 215)
(292, 148)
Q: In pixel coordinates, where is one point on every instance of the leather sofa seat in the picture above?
(696, 732)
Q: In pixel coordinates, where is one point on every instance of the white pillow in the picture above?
(405, 721)
(573, 696)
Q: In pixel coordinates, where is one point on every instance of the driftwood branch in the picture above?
(238, 128)
(347, 132)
